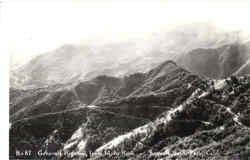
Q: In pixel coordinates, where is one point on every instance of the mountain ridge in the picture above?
(78, 62)
(150, 114)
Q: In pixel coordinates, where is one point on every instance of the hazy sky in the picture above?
(33, 27)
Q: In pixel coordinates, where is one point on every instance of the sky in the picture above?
(32, 27)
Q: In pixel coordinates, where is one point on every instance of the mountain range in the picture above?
(183, 96)
(196, 47)
(165, 113)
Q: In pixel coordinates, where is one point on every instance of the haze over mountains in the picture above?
(73, 62)
(221, 62)
(183, 95)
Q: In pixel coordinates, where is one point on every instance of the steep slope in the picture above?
(75, 62)
(136, 99)
(209, 124)
(166, 113)
(244, 69)
(33, 102)
(217, 62)
(139, 89)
